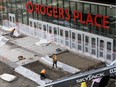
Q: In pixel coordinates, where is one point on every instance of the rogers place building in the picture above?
(85, 27)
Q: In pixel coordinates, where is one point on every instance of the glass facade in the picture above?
(18, 7)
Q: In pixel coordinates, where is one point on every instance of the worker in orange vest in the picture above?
(54, 57)
(43, 74)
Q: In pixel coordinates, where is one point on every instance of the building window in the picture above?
(102, 10)
(66, 34)
(79, 6)
(55, 30)
(93, 41)
(94, 9)
(39, 25)
(44, 27)
(86, 49)
(109, 46)
(60, 3)
(86, 8)
(113, 11)
(50, 29)
(93, 52)
(66, 4)
(86, 40)
(35, 26)
(10, 18)
(79, 38)
(31, 23)
(61, 32)
(101, 54)
(101, 44)
(73, 35)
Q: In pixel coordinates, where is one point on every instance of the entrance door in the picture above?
(12, 20)
(50, 33)
(33, 27)
(87, 43)
(45, 31)
(67, 38)
(56, 34)
(105, 48)
(74, 40)
(80, 42)
(93, 49)
(109, 50)
(39, 30)
(61, 36)
(101, 48)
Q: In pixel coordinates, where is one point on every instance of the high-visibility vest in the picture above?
(43, 71)
(83, 84)
(54, 58)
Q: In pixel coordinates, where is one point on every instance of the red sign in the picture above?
(65, 14)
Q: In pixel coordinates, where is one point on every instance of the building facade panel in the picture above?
(83, 27)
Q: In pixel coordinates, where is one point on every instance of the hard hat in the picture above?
(43, 71)
(83, 84)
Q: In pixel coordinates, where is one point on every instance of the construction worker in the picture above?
(83, 84)
(12, 32)
(54, 57)
(43, 74)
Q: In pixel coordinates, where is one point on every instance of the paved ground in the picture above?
(20, 82)
(27, 44)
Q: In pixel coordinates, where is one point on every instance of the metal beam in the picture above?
(78, 78)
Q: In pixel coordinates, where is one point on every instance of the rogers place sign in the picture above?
(66, 15)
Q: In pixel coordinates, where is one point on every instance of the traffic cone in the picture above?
(83, 84)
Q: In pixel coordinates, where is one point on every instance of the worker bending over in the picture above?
(43, 74)
(11, 33)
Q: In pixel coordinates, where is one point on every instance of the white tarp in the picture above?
(16, 33)
(42, 42)
(3, 41)
(8, 77)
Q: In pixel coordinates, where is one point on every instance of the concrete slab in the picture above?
(13, 53)
(30, 43)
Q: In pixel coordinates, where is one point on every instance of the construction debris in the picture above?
(3, 41)
(8, 77)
